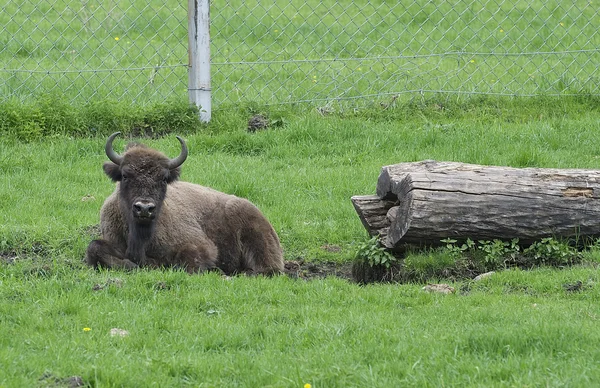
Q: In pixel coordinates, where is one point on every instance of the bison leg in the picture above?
(261, 251)
(257, 249)
(196, 259)
(101, 253)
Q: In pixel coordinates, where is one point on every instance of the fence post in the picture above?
(199, 56)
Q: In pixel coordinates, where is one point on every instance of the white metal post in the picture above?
(199, 56)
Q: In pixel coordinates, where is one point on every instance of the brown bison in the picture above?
(154, 220)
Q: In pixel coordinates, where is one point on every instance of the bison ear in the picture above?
(113, 171)
(173, 175)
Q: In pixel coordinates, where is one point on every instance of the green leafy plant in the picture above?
(372, 253)
(553, 252)
(498, 252)
(456, 250)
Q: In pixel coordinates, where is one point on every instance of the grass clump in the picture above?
(51, 117)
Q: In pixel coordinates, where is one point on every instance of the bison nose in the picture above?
(144, 209)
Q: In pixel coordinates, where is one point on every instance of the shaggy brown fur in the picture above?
(181, 224)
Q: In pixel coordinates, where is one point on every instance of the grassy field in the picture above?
(518, 328)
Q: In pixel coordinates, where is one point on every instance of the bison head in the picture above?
(143, 175)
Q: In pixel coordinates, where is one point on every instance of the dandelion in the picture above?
(117, 38)
(472, 61)
(307, 385)
(86, 329)
(501, 30)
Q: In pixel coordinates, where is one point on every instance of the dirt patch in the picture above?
(8, 257)
(317, 270)
(49, 380)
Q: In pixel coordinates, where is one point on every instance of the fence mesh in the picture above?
(286, 51)
(89, 49)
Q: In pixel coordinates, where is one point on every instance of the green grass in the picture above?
(517, 328)
(301, 174)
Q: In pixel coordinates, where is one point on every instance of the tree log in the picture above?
(422, 203)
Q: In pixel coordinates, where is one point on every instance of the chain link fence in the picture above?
(286, 51)
(82, 50)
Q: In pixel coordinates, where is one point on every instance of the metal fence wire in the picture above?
(283, 51)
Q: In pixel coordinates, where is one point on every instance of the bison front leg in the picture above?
(102, 253)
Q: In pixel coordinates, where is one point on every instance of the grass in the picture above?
(302, 174)
(515, 328)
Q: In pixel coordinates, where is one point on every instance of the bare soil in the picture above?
(311, 270)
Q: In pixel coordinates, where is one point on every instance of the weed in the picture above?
(553, 252)
(372, 262)
(374, 254)
(496, 254)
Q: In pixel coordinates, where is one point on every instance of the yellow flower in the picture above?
(501, 30)
(561, 24)
(86, 329)
(307, 385)
(472, 61)
(116, 38)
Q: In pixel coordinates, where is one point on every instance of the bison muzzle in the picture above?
(154, 220)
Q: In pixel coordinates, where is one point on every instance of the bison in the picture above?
(154, 220)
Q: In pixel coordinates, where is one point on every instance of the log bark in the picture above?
(425, 202)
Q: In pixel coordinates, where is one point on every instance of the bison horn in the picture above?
(178, 161)
(112, 155)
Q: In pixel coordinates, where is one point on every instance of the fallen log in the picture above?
(422, 203)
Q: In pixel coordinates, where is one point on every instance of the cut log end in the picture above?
(372, 212)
